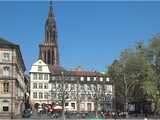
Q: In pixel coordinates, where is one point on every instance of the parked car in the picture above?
(27, 113)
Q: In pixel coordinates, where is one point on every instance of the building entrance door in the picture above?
(88, 106)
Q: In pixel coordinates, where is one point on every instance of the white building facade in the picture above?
(83, 91)
(39, 83)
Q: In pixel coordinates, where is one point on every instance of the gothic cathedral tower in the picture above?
(49, 49)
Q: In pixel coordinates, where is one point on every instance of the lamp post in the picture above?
(12, 90)
(96, 98)
(63, 99)
(127, 88)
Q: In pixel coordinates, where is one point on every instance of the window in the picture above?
(66, 86)
(83, 96)
(5, 108)
(109, 89)
(45, 76)
(73, 105)
(88, 78)
(40, 85)
(34, 94)
(53, 78)
(40, 76)
(59, 96)
(34, 76)
(82, 78)
(6, 87)
(6, 70)
(46, 95)
(6, 56)
(56, 78)
(53, 87)
(66, 104)
(72, 87)
(48, 57)
(107, 79)
(89, 96)
(89, 87)
(82, 86)
(45, 85)
(34, 85)
(73, 96)
(39, 68)
(54, 95)
(94, 78)
(40, 95)
(91, 78)
(72, 78)
(101, 78)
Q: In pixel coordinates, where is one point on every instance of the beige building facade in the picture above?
(12, 84)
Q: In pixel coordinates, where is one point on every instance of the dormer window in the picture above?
(101, 78)
(39, 68)
(81, 78)
(107, 79)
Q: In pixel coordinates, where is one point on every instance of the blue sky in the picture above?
(91, 34)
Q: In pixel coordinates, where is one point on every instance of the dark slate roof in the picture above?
(56, 70)
(5, 42)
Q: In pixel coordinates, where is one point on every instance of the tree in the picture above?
(153, 93)
(139, 66)
(130, 72)
(153, 87)
(63, 91)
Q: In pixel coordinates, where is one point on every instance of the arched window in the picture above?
(45, 57)
(48, 57)
(53, 55)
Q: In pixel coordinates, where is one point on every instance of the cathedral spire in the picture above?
(49, 49)
(50, 27)
(50, 13)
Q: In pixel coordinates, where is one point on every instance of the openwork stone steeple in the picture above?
(49, 49)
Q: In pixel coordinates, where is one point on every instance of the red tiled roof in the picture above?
(56, 70)
(84, 73)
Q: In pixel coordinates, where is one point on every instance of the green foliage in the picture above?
(141, 67)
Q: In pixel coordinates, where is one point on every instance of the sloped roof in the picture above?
(56, 70)
(5, 42)
(45, 68)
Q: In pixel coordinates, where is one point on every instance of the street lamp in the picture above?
(127, 87)
(63, 99)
